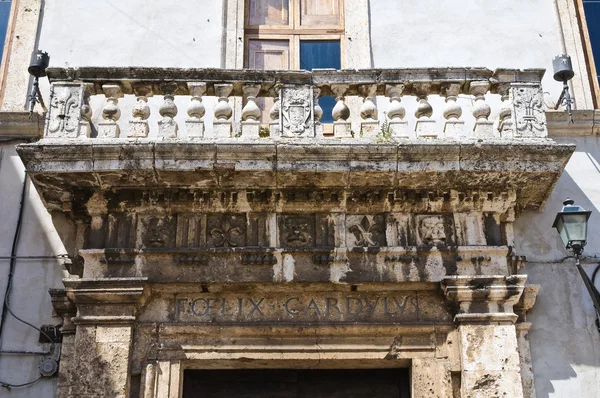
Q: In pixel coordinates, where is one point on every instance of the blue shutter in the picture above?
(592, 16)
(321, 54)
(4, 15)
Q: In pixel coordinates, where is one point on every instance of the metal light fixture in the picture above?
(37, 68)
(563, 72)
(572, 224)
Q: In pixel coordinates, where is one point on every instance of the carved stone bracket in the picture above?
(484, 299)
(107, 300)
(63, 307)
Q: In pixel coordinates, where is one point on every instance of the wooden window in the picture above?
(315, 13)
(589, 14)
(5, 7)
(281, 34)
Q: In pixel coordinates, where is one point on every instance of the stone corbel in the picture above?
(484, 299)
(107, 300)
(63, 307)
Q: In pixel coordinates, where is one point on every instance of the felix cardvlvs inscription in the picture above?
(324, 307)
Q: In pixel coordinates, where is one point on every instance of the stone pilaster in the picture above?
(526, 302)
(100, 351)
(489, 354)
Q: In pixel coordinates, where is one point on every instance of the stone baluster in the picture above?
(275, 114)
(85, 123)
(483, 128)
(194, 124)
(425, 126)
(318, 112)
(505, 123)
(108, 128)
(167, 126)
(223, 111)
(138, 126)
(251, 112)
(369, 126)
(396, 112)
(454, 127)
(341, 113)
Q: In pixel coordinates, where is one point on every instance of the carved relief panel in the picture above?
(529, 117)
(226, 230)
(68, 107)
(365, 231)
(158, 232)
(297, 230)
(297, 111)
(434, 230)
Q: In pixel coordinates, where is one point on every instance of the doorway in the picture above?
(297, 383)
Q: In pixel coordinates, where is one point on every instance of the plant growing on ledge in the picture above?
(385, 132)
(264, 132)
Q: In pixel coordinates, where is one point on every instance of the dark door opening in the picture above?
(297, 383)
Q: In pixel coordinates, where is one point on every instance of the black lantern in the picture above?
(571, 223)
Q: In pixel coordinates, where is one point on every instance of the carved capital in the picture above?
(107, 300)
(484, 299)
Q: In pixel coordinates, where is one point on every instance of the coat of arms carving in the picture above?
(297, 111)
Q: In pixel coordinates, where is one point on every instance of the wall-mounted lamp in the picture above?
(572, 225)
(37, 69)
(563, 72)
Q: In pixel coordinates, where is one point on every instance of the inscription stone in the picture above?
(334, 307)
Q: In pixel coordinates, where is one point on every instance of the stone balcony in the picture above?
(499, 145)
(419, 176)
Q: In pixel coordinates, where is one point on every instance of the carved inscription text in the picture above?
(326, 308)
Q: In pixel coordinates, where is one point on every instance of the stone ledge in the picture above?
(347, 265)
(18, 125)
(586, 122)
(531, 166)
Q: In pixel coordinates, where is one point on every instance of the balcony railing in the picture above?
(373, 105)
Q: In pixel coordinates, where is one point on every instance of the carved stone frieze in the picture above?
(366, 231)
(257, 258)
(297, 230)
(226, 230)
(121, 230)
(434, 230)
(158, 232)
(297, 111)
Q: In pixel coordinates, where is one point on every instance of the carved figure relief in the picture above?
(529, 111)
(158, 232)
(64, 113)
(226, 230)
(432, 231)
(367, 231)
(296, 109)
(297, 231)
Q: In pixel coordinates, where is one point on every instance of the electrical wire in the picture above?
(6, 304)
(8, 386)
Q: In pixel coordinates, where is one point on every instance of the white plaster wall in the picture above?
(565, 343)
(132, 33)
(465, 33)
(32, 278)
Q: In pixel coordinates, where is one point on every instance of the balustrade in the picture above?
(479, 104)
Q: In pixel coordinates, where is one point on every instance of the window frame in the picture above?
(6, 50)
(293, 32)
(588, 53)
